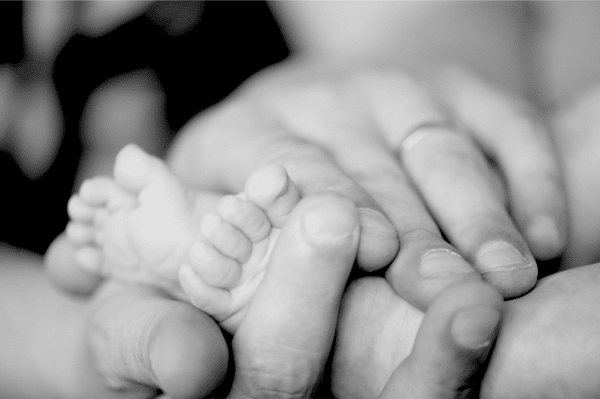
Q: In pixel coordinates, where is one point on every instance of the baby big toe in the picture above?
(226, 238)
(104, 192)
(271, 188)
(89, 258)
(246, 216)
(215, 269)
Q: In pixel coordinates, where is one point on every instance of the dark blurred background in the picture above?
(77, 83)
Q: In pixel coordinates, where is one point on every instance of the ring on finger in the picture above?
(421, 131)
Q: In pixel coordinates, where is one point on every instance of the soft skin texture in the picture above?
(281, 346)
(123, 342)
(339, 128)
(459, 329)
(547, 345)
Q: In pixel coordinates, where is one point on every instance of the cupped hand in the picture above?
(384, 139)
(141, 341)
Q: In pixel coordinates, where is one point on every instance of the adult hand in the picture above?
(131, 341)
(381, 138)
(410, 354)
(544, 348)
(140, 339)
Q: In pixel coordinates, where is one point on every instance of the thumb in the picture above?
(139, 340)
(452, 345)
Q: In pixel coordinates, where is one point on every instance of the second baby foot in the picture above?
(137, 227)
(224, 270)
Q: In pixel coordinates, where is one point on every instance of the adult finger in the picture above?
(426, 262)
(341, 120)
(432, 355)
(452, 177)
(283, 343)
(221, 149)
(140, 341)
(451, 345)
(512, 132)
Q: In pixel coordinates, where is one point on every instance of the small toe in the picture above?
(104, 192)
(89, 258)
(216, 269)
(95, 191)
(80, 233)
(226, 238)
(214, 301)
(135, 169)
(246, 216)
(78, 210)
(271, 188)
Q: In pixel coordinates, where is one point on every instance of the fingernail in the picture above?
(443, 262)
(500, 256)
(543, 231)
(327, 222)
(474, 328)
(376, 222)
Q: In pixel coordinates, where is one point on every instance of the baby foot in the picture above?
(223, 271)
(138, 226)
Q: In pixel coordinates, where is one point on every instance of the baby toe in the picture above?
(80, 233)
(246, 216)
(271, 188)
(226, 238)
(103, 192)
(135, 169)
(78, 210)
(216, 269)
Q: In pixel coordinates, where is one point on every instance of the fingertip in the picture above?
(379, 242)
(189, 356)
(475, 328)
(545, 238)
(511, 270)
(329, 219)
